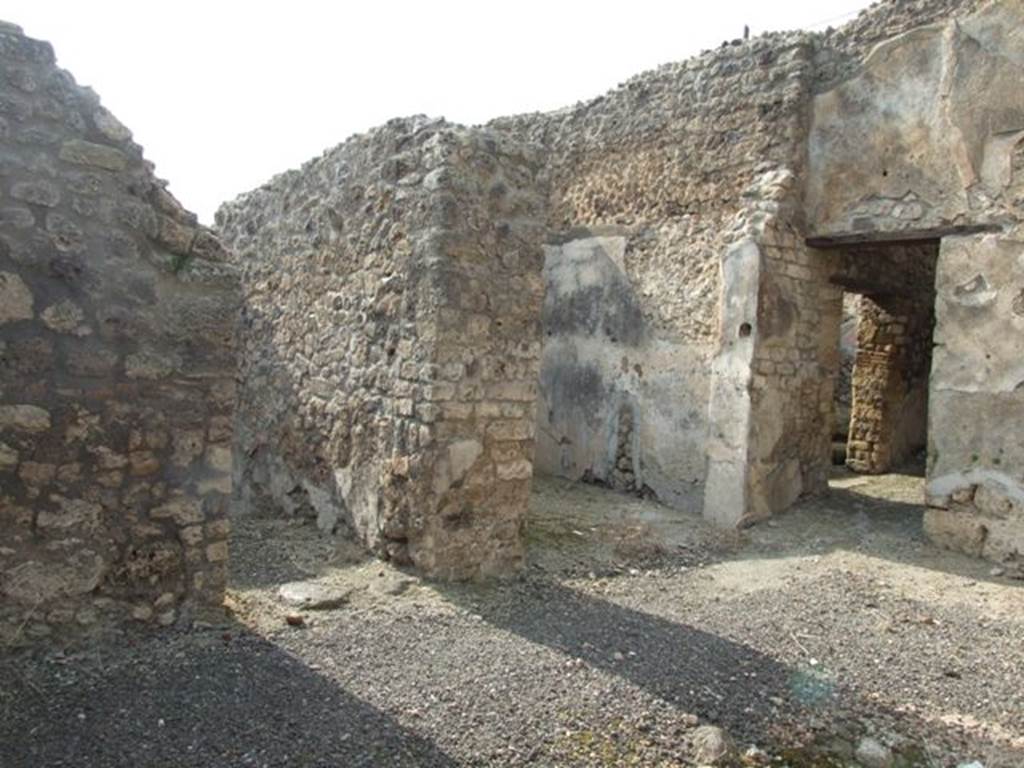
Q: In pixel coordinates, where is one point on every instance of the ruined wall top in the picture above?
(842, 50)
(926, 136)
(36, 90)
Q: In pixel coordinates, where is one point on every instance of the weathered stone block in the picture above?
(15, 299)
(217, 552)
(96, 155)
(24, 418)
(42, 193)
(65, 317)
(183, 511)
(956, 530)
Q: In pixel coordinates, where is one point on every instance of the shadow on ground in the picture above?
(695, 671)
(756, 697)
(214, 698)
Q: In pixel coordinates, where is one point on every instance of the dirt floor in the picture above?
(831, 636)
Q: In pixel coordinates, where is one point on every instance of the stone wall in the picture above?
(771, 403)
(391, 339)
(116, 371)
(924, 139)
(663, 165)
(646, 185)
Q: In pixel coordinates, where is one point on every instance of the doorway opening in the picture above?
(885, 356)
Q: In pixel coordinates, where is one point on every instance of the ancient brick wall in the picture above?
(390, 343)
(116, 371)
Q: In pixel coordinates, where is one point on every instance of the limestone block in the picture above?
(72, 513)
(8, 457)
(40, 192)
(143, 463)
(65, 317)
(150, 364)
(217, 552)
(36, 474)
(15, 299)
(510, 430)
(182, 511)
(219, 529)
(35, 582)
(110, 126)
(1005, 540)
(219, 458)
(313, 596)
(191, 536)
(515, 470)
(188, 445)
(956, 530)
(95, 155)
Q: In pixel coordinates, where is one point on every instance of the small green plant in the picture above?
(179, 261)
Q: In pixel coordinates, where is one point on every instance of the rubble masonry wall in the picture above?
(116, 371)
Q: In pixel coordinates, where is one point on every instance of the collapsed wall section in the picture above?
(390, 343)
(116, 371)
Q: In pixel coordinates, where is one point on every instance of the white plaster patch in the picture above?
(945, 485)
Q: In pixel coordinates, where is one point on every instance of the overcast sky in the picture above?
(222, 94)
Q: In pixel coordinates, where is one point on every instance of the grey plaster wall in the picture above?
(976, 455)
(922, 138)
(620, 402)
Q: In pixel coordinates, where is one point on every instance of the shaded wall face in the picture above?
(334, 334)
(794, 366)
(116, 371)
(619, 403)
(391, 344)
(888, 420)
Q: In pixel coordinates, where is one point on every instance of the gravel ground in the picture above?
(630, 625)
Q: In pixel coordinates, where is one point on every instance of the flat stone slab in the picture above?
(313, 596)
